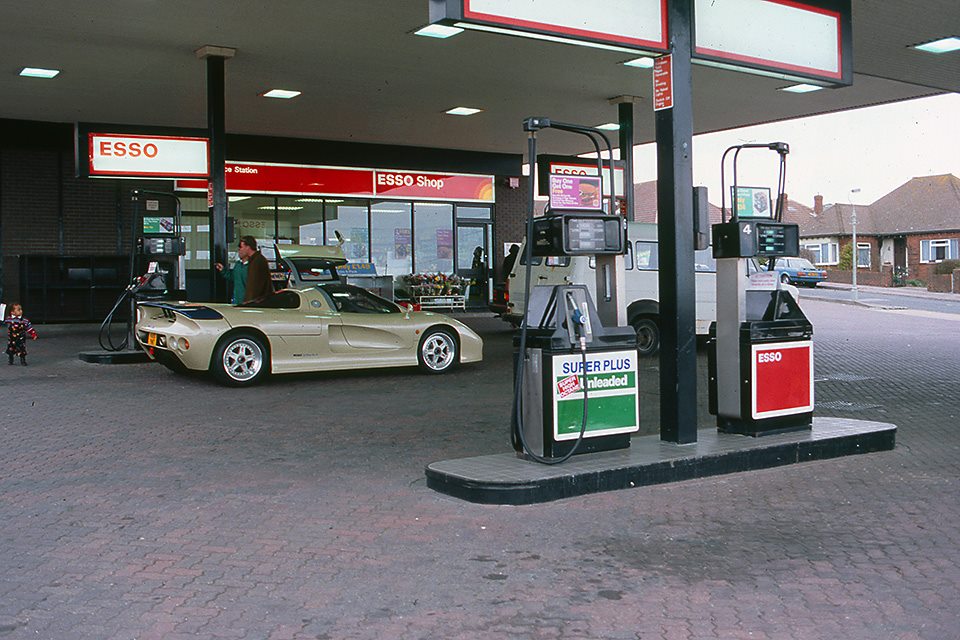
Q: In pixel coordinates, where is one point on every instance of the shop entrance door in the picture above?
(473, 260)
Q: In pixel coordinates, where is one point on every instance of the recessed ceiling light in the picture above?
(943, 45)
(438, 31)
(463, 111)
(34, 72)
(280, 93)
(801, 88)
(641, 63)
(610, 126)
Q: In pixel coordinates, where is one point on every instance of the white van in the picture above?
(641, 267)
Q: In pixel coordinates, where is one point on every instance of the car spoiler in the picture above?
(194, 312)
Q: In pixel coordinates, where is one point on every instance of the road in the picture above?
(879, 297)
(137, 503)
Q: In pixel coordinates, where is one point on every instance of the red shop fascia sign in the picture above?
(264, 178)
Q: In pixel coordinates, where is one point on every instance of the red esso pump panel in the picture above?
(782, 379)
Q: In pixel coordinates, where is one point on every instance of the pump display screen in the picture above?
(774, 240)
(585, 234)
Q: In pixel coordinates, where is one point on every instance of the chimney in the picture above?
(817, 205)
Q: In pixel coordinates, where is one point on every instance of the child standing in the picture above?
(18, 330)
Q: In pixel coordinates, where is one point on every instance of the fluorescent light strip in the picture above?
(438, 31)
(640, 63)
(285, 94)
(801, 88)
(280, 208)
(35, 72)
(541, 36)
(463, 111)
(943, 45)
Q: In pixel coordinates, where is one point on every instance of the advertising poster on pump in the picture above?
(612, 400)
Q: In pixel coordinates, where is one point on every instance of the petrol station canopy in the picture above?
(366, 77)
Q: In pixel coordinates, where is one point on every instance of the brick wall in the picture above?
(45, 210)
(866, 277)
(945, 282)
(510, 218)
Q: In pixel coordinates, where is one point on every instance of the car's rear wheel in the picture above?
(240, 360)
(438, 351)
(784, 278)
(648, 335)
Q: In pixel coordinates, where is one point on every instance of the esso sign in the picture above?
(129, 156)
(769, 356)
(395, 179)
(119, 148)
(570, 171)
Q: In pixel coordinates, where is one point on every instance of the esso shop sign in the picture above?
(590, 170)
(437, 186)
(782, 379)
(118, 155)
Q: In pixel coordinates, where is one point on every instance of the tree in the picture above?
(846, 258)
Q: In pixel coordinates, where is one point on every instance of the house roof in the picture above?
(645, 203)
(920, 205)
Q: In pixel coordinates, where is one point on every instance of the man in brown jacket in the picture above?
(259, 285)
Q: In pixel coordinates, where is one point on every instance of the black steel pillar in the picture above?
(215, 58)
(678, 339)
(625, 116)
(216, 123)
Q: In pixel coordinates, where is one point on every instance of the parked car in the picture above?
(799, 271)
(329, 326)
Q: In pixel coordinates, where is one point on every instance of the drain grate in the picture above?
(843, 405)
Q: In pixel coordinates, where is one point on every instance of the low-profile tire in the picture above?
(784, 278)
(240, 360)
(438, 351)
(648, 335)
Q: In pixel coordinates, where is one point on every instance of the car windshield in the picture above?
(803, 263)
(346, 298)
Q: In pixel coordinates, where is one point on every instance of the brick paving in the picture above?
(136, 503)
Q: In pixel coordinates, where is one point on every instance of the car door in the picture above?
(375, 330)
(298, 325)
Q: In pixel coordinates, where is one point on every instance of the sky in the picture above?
(875, 149)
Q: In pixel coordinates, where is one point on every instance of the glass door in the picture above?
(473, 260)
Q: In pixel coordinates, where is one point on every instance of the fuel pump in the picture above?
(760, 354)
(157, 269)
(575, 381)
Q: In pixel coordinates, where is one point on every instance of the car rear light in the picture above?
(184, 344)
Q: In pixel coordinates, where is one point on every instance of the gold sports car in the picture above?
(328, 326)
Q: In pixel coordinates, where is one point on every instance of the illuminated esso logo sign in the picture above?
(409, 180)
(769, 356)
(395, 180)
(129, 155)
(570, 171)
(133, 149)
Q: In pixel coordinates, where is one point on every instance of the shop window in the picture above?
(939, 250)
(433, 237)
(391, 238)
(863, 254)
(474, 213)
(253, 216)
(350, 219)
(300, 220)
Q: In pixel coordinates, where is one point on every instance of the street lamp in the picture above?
(856, 251)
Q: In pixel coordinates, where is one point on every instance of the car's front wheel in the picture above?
(438, 351)
(240, 360)
(784, 278)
